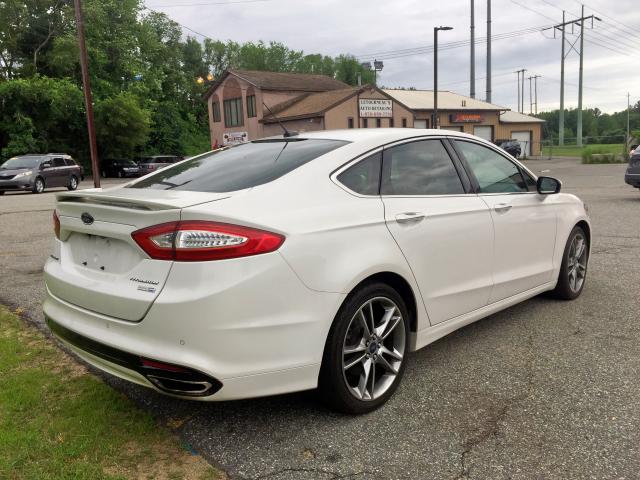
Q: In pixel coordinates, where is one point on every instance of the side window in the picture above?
(495, 173)
(59, 162)
(364, 176)
(419, 168)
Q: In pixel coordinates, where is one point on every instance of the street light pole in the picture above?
(435, 123)
(93, 149)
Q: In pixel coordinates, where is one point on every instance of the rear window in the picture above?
(243, 166)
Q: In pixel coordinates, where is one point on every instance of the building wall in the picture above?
(300, 126)
(338, 116)
(234, 87)
(504, 131)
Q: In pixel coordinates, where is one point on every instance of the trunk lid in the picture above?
(99, 266)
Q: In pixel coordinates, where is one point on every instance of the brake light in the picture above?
(195, 241)
(56, 224)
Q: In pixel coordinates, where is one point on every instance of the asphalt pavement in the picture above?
(544, 390)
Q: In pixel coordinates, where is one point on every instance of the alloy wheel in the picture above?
(577, 262)
(73, 183)
(39, 185)
(373, 348)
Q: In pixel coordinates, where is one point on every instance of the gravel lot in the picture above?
(544, 390)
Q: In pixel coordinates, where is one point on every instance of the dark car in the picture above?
(117, 167)
(632, 175)
(512, 147)
(37, 172)
(156, 162)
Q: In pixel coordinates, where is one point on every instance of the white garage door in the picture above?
(419, 124)
(525, 141)
(483, 131)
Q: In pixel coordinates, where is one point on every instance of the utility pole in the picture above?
(561, 118)
(580, 22)
(579, 128)
(535, 88)
(521, 96)
(472, 69)
(628, 110)
(530, 94)
(488, 51)
(518, 72)
(436, 122)
(93, 149)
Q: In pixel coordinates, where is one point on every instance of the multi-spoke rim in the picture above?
(74, 182)
(39, 185)
(577, 262)
(373, 348)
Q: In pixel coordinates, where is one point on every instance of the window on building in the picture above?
(495, 173)
(233, 115)
(251, 106)
(391, 122)
(404, 123)
(365, 123)
(364, 176)
(378, 122)
(216, 112)
(350, 122)
(419, 168)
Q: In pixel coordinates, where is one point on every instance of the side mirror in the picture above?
(548, 185)
(45, 165)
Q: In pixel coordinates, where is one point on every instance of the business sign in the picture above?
(375, 108)
(465, 118)
(234, 138)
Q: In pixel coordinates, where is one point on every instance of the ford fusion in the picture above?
(311, 261)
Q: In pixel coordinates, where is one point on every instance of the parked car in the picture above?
(39, 171)
(318, 260)
(632, 175)
(121, 168)
(151, 164)
(512, 147)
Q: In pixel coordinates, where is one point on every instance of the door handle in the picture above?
(409, 217)
(502, 207)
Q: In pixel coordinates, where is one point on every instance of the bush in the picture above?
(593, 155)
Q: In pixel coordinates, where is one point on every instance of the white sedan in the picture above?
(312, 261)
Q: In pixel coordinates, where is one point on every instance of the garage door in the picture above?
(483, 131)
(419, 124)
(525, 141)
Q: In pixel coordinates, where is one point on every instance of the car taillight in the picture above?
(196, 240)
(56, 224)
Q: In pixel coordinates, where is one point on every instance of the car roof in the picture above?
(382, 135)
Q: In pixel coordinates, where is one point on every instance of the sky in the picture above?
(392, 30)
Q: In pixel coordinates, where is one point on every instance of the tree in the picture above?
(121, 125)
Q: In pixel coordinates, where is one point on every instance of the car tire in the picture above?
(38, 185)
(73, 183)
(1, 192)
(573, 271)
(363, 361)
(104, 174)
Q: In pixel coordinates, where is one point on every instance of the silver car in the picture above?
(36, 172)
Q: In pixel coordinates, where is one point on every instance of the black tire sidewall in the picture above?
(563, 290)
(331, 382)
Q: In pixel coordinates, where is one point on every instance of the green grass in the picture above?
(57, 421)
(575, 151)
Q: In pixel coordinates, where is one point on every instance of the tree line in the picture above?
(597, 127)
(143, 73)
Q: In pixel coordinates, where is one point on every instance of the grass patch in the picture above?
(57, 421)
(575, 151)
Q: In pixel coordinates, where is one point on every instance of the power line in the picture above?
(234, 2)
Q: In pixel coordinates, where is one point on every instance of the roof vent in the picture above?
(464, 103)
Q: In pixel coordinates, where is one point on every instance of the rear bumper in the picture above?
(262, 336)
(632, 179)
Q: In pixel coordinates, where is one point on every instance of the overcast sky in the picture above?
(366, 27)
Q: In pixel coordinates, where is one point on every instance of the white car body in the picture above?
(259, 324)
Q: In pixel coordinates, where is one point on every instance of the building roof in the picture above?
(516, 117)
(282, 81)
(423, 100)
(310, 104)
